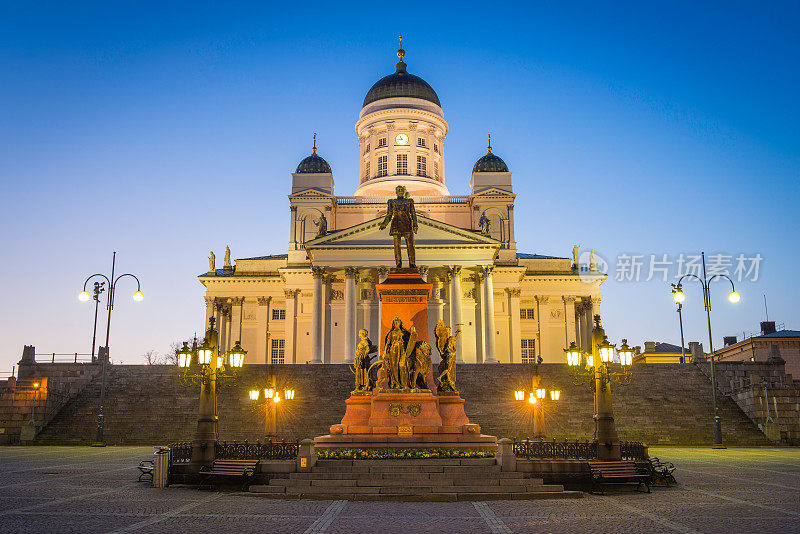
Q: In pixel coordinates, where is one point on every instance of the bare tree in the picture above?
(151, 357)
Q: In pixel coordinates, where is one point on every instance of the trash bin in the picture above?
(161, 467)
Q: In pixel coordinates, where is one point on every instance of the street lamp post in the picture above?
(272, 401)
(84, 296)
(537, 399)
(598, 374)
(35, 398)
(680, 321)
(203, 366)
(733, 296)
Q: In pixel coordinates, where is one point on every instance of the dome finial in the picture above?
(489, 148)
(401, 66)
(314, 149)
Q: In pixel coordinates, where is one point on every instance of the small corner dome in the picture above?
(313, 164)
(401, 84)
(490, 163)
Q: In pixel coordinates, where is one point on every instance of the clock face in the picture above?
(401, 139)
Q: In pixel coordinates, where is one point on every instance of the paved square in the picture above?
(81, 489)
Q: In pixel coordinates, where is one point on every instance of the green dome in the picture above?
(401, 84)
(490, 163)
(313, 164)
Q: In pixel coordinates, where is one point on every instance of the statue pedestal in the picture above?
(405, 418)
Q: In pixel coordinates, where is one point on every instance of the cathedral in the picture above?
(307, 305)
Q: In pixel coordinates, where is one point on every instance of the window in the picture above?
(436, 169)
(277, 352)
(366, 150)
(435, 148)
(278, 315)
(402, 164)
(381, 142)
(422, 166)
(383, 165)
(528, 351)
(421, 142)
(526, 313)
(366, 171)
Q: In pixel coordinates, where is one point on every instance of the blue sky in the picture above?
(165, 132)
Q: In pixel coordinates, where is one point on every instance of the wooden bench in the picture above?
(146, 470)
(604, 473)
(245, 469)
(661, 472)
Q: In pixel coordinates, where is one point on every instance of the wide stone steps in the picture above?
(434, 480)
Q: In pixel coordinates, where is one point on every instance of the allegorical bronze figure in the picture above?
(446, 344)
(361, 363)
(400, 211)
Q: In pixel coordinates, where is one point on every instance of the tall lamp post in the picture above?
(84, 296)
(203, 366)
(537, 398)
(272, 401)
(733, 297)
(680, 321)
(597, 370)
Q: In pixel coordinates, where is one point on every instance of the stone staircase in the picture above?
(465, 479)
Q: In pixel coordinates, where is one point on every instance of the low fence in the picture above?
(573, 450)
(280, 450)
(64, 357)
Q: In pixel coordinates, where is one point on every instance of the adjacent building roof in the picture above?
(526, 256)
(490, 163)
(667, 348)
(313, 164)
(270, 257)
(782, 333)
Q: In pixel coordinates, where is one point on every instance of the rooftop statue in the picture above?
(400, 211)
(227, 257)
(212, 262)
(485, 224)
(322, 224)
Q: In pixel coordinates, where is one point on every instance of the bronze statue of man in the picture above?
(400, 211)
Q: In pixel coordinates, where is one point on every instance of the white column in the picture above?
(262, 341)
(511, 242)
(236, 319)
(488, 299)
(350, 274)
(514, 323)
(316, 315)
(290, 328)
(455, 307)
(569, 320)
(293, 228)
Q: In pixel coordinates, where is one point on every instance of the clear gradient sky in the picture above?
(165, 130)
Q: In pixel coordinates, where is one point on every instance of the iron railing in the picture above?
(65, 357)
(279, 450)
(180, 453)
(572, 450)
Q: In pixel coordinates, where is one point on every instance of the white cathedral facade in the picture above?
(306, 306)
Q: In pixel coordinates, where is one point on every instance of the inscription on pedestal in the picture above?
(405, 430)
(412, 409)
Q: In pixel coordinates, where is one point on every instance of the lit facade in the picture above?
(306, 306)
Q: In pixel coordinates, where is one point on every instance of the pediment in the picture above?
(436, 243)
(310, 194)
(494, 192)
(431, 233)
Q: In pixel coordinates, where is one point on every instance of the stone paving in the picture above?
(83, 489)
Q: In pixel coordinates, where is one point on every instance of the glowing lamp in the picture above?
(532, 399)
(269, 393)
(606, 351)
(678, 294)
(84, 296)
(625, 353)
(220, 361)
(204, 354)
(184, 356)
(276, 399)
(555, 394)
(237, 356)
(36, 385)
(138, 296)
(573, 354)
(540, 393)
(590, 360)
(253, 394)
(519, 395)
(734, 297)
(288, 394)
